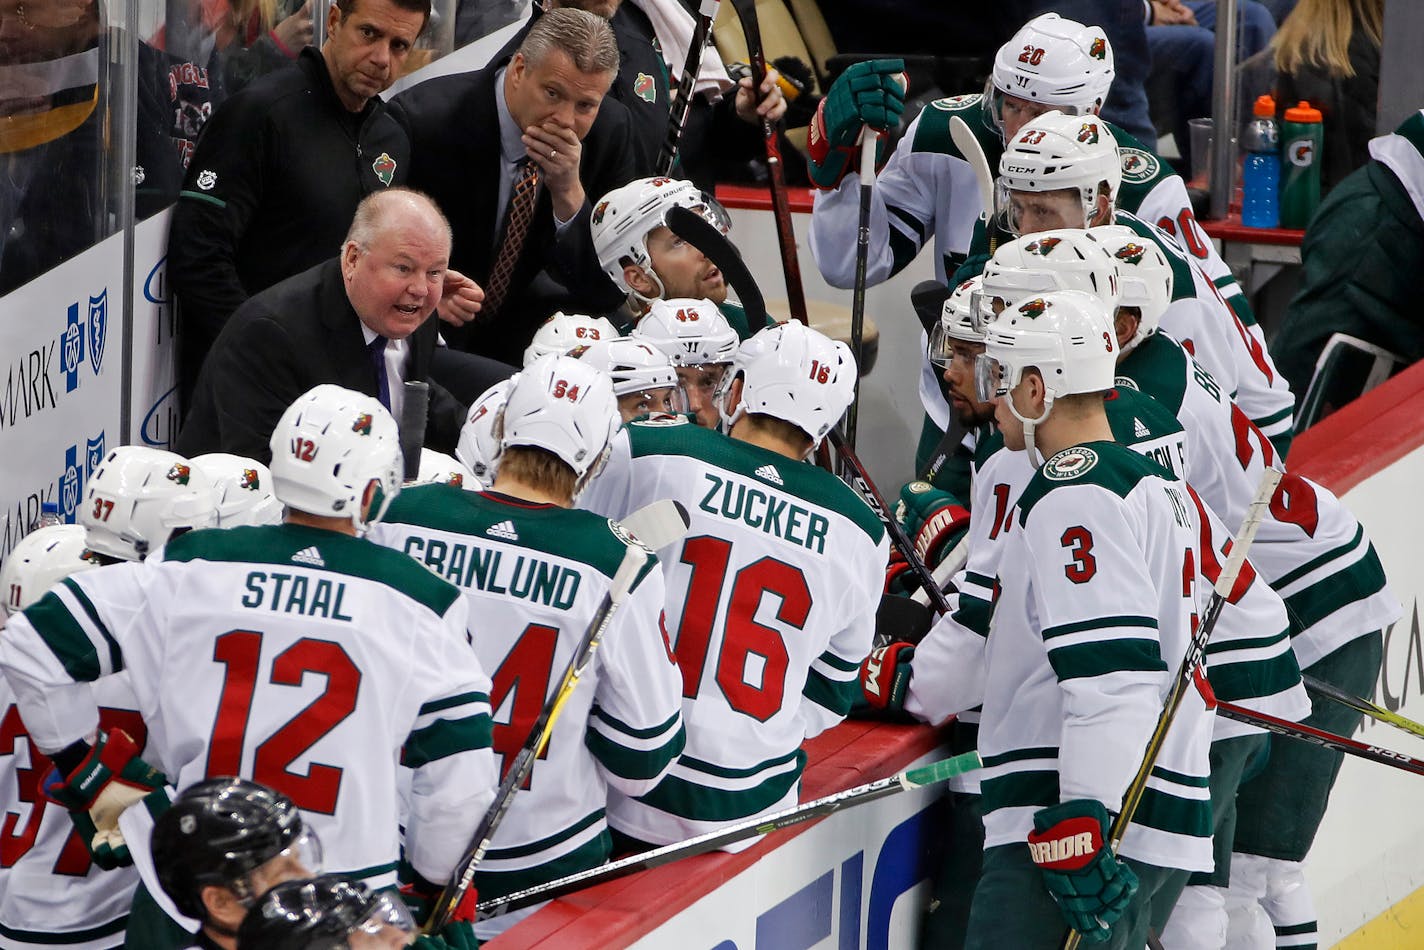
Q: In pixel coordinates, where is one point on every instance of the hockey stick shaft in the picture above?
(860, 480)
(776, 176)
(944, 570)
(687, 83)
(1378, 713)
(702, 844)
(868, 139)
(1186, 673)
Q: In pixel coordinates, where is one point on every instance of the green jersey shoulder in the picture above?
(1107, 465)
(932, 133)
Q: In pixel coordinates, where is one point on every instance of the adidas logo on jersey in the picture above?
(505, 530)
(308, 556)
(768, 473)
(1138, 429)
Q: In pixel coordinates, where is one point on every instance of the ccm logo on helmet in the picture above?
(1018, 169)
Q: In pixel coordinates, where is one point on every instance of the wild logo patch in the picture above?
(179, 473)
(1043, 246)
(250, 481)
(1088, 133)
(598, 210)
(1034, 308)
(1070, 463)
(1138, 166)
(1099, 49)
(362, 424)
(955, 103)
(1131, 253)
(385, 168)
(646, 88)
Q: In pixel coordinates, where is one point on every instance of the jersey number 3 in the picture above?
(240, 652)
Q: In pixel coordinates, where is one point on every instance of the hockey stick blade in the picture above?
(973, 153)
(712, 840)
(1378, 713)
(695, 230)
(658, 524)
(635, 558)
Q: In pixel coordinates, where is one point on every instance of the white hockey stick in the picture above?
(945, 569)
(973, 153)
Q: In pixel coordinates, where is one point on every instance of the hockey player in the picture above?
(927, 190)
(139, 499)
(478, 449)
(41, 559)
(643, 377)
(1084, 644)
(1314, 553)
(535, 572)
(330, 912)
(701, 344)
(244, 490)
(1063, 172)
(771, 598)
(223, 844)
(641, 254)
(564, 331)
(219, 632)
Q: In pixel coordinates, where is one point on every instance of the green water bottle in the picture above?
(1302, 141)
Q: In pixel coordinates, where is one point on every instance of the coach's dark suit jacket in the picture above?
(455, 158)
(280, 343)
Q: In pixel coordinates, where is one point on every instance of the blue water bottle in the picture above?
(1261, 174)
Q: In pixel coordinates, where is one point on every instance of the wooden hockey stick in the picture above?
(660, 523)
(973, 153)
(868, 139)
(1186, 674)
(677, 117)
(776, 175)
(1377, 713)
(702, 844)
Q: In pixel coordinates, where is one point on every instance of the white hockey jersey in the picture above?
(771, 602)
(51, 893)
(533, 576)
(1088, 631)
(307, 660)
(1310, 547)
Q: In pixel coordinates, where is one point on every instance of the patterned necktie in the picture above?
(516, 231)
(376, 349)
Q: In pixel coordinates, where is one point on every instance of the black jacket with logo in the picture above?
(270, 192)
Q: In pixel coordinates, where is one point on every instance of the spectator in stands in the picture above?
(513, 152)
(1328, 52)
(239, 40)
(1362, 257)
(361, 321)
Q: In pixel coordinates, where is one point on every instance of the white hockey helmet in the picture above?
(633, 366)
(692, 332)
(623, 219)
(140, 497)
(563, 406)
(479, 446)
(41, 559)
(244, 488)
(1144, 276)
(794, 373)
(1057, 151)
(564, 331)
(328, 447)
(437, 468)
(1055, 62)
(1066, 335)
(1061, 259)
(958, 321)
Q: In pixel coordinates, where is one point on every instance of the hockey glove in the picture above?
(109, 779)
(1090, 886)
(934, 518)
(869, 93)
(420, 896)
(884, 677)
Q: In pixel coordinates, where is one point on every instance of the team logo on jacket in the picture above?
(1043, 246)
(207, 178)
(646, 89)
(362, 424)
(1034, 308)
(1138, 166)
(1088, 133)
(1099, 49)
(179, 473)
(1070, 463)
(1131, 253)
(250, 480)
(385, 168)
(955, 103)
(598, 210)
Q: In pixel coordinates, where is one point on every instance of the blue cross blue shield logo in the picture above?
(71, 349)
(71, 483)
(98, 328)
(94, 455)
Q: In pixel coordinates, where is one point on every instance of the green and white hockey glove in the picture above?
(934, 518)
(109, 779)
(1091, 887)
(869, 93)
(420, 897)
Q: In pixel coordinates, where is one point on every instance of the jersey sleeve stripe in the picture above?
(544, 844)
(834, 695)
(1363, 579)
(839, 664)
(1029, 753)
(68, 937)
(1248, 681)
(446, 737)
(657, 732)
(909, 223)
(78, 646)
(1283, 583)
(1028, 789)
(1219, 648)
(450, 702)
(1281, 415)
(974, 613)
(1103, 658)
(635, 764)
(1099, 623)
(751, 772)
(493, 883)
(719, 800)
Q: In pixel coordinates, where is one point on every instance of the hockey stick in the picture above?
(662, 521)
(973, 153)
(677, 118)
(776, 177)
(702, 844)
(1378, 713)
(414, 413)
(868, 139)
(944, 570)
(1186, 674)
(693, 228)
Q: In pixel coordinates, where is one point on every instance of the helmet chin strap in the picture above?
(1030, 425)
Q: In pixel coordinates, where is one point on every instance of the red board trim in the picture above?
(1366, 436)
(756, 198)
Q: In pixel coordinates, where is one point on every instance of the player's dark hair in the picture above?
(539, 469)
(781, 429)
(413, 6)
